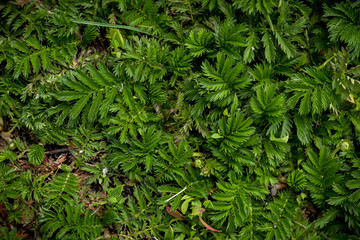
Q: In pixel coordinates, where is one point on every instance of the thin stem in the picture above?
(326, 62)
(300, 224)
(14, 127)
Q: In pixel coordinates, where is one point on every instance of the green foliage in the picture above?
(342, 22)
(69, 223)
(100, 174)
(31, 188)
(266, 106)
(61, 188)
(138, 154)
(89, 92)
(297, 180)
(223, 82)
(9, 235)
(179, 61)
(228, 36)
(280, 217)
(199, 42)
(36, 154)
(152, 119)
(146, 13)
(253, 6)
(7, 190)
(233, 132)
(354, 185)
(7, 154)
(30, 56)
(321, 173)
(147, 60)
(234, 202)
(173, 158)
(315, 91)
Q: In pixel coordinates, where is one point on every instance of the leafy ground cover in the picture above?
(174, 119)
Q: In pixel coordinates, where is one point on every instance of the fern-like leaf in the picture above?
(297, 180)
(268, 106)
(199, 43)
(321, 172)
(62, 187)
(314, 90)
(343, 21)
(73, 223)
(36, 154)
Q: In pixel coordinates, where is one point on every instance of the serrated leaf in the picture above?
(17, 44)
(97, 76)
(86, 80)
(75, 85)
(79, 105)
(35, 62)
(352, 184)
(36, 154)
(329, 216)
(109, 99)
(336, 200)
(198, 43)
(252, 40)
(45, 59)
(70, 95)
(355, 196)
(26, 66)
(269, 48)
(95, 105)
(33, 42)
(286, 45)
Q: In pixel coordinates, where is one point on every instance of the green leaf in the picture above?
(185, 205)
(95, 105)
(79, 105)
(216, 136)
(70, 95)
(198, 43)
(111, 26)
(269, 48)
(282, 140)
(26, 66)
(286, 45)
(45, 59)
(297, 180)
(329, 216)
(36, 154)
(249, 53)
(86, 80)
(35, 62)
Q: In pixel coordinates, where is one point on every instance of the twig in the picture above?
(61, 150)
